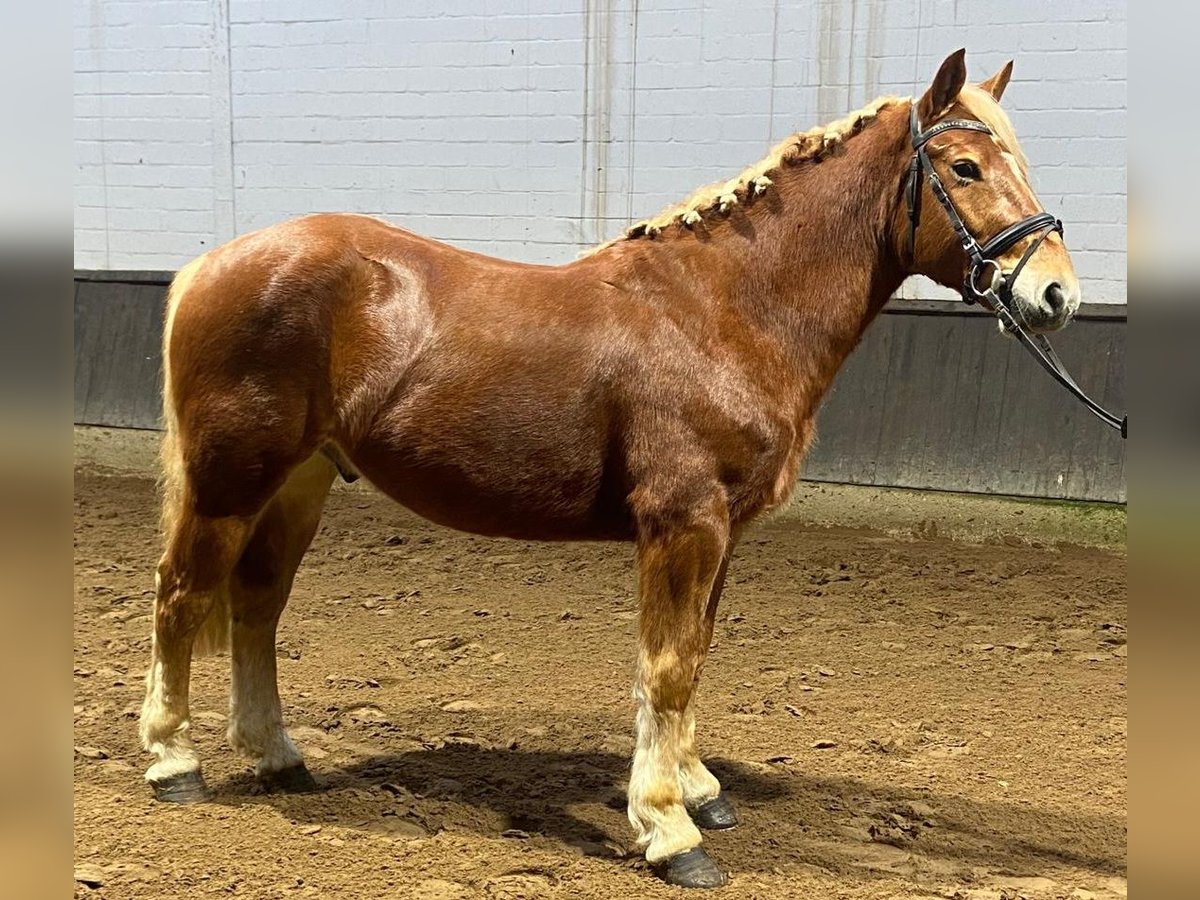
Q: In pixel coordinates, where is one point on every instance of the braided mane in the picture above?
(720, 197)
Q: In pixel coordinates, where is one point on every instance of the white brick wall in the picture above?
(531, 130)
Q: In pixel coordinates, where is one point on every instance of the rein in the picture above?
(995, 295)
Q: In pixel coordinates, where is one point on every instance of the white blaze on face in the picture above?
(1047, 290)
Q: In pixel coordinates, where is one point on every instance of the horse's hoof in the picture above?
(292, 780)
(186, 787)
(692, 869)
(717, 814)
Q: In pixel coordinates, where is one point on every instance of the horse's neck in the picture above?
(807, 269)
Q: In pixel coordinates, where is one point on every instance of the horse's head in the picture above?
(966, 164)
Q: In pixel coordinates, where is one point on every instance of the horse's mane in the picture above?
(721, 196)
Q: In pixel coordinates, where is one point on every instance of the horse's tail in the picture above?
(213, 635)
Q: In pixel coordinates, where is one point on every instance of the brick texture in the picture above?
(533, 130)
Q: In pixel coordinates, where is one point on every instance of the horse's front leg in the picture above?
(679, 558)
(709, 806)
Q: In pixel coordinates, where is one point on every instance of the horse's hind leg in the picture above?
(259, 591)
(191, 582)
(679, 557)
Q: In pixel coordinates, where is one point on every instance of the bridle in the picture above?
(995, 294)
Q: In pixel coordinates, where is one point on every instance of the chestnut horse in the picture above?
(660, 390)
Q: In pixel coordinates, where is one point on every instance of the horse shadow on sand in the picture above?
(576, 800)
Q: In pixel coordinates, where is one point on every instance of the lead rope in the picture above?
(1041, 350)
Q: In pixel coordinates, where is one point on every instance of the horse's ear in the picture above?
(998, 82)
(946, 85)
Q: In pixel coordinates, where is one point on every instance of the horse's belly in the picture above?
(536, 490)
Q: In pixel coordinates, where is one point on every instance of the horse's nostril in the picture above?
(1055, 298)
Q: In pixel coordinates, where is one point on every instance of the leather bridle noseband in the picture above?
(996, 293)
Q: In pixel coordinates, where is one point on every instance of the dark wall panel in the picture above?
(943, 401)
(117, 353)
(932, 398)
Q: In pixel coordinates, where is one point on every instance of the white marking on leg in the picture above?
(696, 783)
(164, 726)
(255, 716)
(656, 811)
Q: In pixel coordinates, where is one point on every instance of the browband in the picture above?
(920, 138)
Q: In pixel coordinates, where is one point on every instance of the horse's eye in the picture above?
(966, 170)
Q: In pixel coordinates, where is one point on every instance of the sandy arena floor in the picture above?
(896, 715)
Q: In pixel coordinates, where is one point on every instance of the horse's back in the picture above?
(426, 365)
(491, 396)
